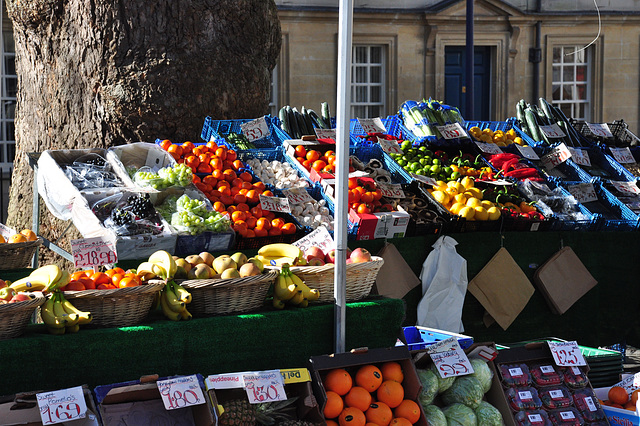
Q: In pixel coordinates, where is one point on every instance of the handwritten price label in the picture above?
(580, 156)
(424, 179)
(6, 231)
(62, 405)
(452, 131)
(449, 358)
(93, 252)
(566, 353)
(325, 133)
(623, 155)
(527, 152)
(391, 190)
(630, 383)
(267, 386)
(297, 196)
(274, 204)
(552, 131)
(630, 188)
(390, 147)
(255, 129)
(180, 392)
(583, 192)
(600, 129)
(558, 155)
(489, 148)
(319, 237)
(372, 125)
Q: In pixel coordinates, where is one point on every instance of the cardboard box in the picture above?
(136, 156)
(139, 402)
(22, 409)
(351, 361)
(297, 383)
(617, 416)
(380, 225)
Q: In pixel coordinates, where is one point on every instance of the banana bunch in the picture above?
(61, 317)
(277, 254)
(160, 264)
(46, 279)
(173, 300)
(289, 289)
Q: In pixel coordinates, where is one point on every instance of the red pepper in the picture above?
(497, 160)
(507, 165)
(527, 172)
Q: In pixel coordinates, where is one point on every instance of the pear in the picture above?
(257, 262)
(240, 258)
(249, 270)
(230, 273)
(221, 263)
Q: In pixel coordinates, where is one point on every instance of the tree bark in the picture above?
(97, 74)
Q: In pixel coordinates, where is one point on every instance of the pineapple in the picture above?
(238, 412)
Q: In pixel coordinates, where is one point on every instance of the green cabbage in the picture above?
(465, 390)
(459, 415)
(429, 383)
(434, 416)
(488, 415)
(443, 383)
(482, 372)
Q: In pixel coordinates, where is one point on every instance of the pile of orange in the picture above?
(619, 398)
(365, 197)
(21, 237)
(368, 394)
(110, 279)
(230, 188)
(316, 160)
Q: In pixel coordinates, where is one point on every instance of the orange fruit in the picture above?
(261, 232)
(338, 380)
(634, 396)
(409, 410)
(318, 165)
(100, 278)
(630, 406)
(88, 283)
(192, 161)
(80, 274)
(175, 149)
(312, 155)
(278, 222)
(256, 211)
(116, 278)
(391, 393)
(369, 377)
(288, 229)
(351, 416)
(358, 397)
(251, 222)
(165, 144)
(400, 421)
(263, 223)
(29, 234)
(128, 281)
(301, 151)
(392, 370)
(331, 422)
(74, 286)
(274, 232)
(250, 233)
(618, 395)
(17, 238)
(379, 413)
(2, 240)
(238, 215)
(334, 405)
(187, 147)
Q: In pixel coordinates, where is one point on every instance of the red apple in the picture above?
(19, 297)
(331, 256)
(349, 261)
(315, 261)
(360, 255)
(3, 284)
(314, 252)
(6, 293)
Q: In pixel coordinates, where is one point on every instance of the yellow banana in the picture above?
(159, 270)
(84, 317)
(304, 303)
(311, 294)
(60, 313)
(145, 271)
(49, 317)
(56, 330)
(164, 259)
(282, 290)
(72, 328)
(281, 250)
(156, 301)
(37, 283)
(182, 293)
(51, 272)
(166, 310)
(172, 300)
(297, 298)
(277, 260)
(65, 278)
(278, 303)
(186, 315)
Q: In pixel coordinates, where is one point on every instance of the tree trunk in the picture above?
(98, 74)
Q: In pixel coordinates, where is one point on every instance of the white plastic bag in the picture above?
(444, 285)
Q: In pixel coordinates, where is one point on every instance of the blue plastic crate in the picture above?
(504, 126)
(393, 125)
(220, 129)
(418, 338)
(606, 162)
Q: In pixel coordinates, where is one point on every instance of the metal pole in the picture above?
(343, 100)
(469, 113)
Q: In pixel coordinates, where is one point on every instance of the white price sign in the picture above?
(558, 155)
(274, 204)
(583, 192)
(424, 179)
(266, 386)
(600, 129)
(372, 125)
(630, 383)
(527, 152)
(580, 156)
(552, 131)
(489, 148)
(325, 133)
(181, 392)
(449, 358)
(255, 129)
(567, 353)
(97, 251)
(391, 190)
(297, 196)
(62, 406)
(6, 231)
(389, 146)
(623, 155)
(319, 237)
(452, 131)
(630, 188)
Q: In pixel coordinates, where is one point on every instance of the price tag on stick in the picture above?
(580, 156)
(95, 251)
(600, 129)
(527, 152)
(449, 358)
(325, 133)
(489, 148)
(255, 129)
(372, 125)
(297, 196)
(319, 237)
(452, 131)
(266, 386)
(390, 146)
(567, 353)
(557, 155)
(583, 192)
(274, 204)
(552, 131)
(627, 188)
(180, 392)
(391, 190)
(62, 406)
(623, 155)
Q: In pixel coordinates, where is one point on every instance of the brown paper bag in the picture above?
(395, 278)
(563, 279)
(502, 288)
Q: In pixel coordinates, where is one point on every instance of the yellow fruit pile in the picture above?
(462, 198)
(499, 137)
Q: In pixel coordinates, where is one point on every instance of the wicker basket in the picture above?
(220, 297)
(360, 278)
(14, 317)
(120, 307)
(18, 255)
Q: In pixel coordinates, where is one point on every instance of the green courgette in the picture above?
(284, 120)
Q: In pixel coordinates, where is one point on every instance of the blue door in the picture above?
(454, 81)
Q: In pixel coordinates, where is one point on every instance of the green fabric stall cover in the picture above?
(256, 341)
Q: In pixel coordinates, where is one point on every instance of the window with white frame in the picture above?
(9, 82)
(571, 82)
(273, 96)
(368, 77)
